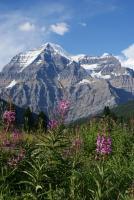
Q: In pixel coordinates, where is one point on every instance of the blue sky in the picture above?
(80, 26)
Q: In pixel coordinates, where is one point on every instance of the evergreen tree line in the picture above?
(31, 122)
(25, 117)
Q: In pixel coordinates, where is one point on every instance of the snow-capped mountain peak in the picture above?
(57, 49)
(89, 83)
(96, 66)
(25, 59)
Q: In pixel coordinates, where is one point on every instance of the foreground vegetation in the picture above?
(93, 161)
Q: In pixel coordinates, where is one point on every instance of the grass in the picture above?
(62, 164)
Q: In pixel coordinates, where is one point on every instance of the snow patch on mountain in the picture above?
(84, 81)
(99, 75)
(106, 55)
(13, 83)
(76, 58)
(28, 58)
(90, 66)
(120, 74)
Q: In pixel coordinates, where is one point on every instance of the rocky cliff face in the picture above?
(41, 77)
(105, 66)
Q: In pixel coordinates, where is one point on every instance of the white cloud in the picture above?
(27, 26)
(59, 28)
(127, 57)
(83, 24)
(14, 41)
(129, 52)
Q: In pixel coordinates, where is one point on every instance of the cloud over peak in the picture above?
(27, 26)
(127, 57)
(129, 52)
(59, 28)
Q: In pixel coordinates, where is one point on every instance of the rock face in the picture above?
(41, 77)
(105, 66)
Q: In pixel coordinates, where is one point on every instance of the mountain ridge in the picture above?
(33, 79)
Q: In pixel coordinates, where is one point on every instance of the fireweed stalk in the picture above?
(61, 111)
(62, 108)
(53, 123)
(103, 145)
(9, 119)
(12, 139)
(16, 136)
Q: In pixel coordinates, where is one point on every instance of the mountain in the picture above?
(106, 66)
(41, 77)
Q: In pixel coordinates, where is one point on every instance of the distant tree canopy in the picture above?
(3, 107)
(32, 122)
(42, 121)
(28, 120)
(107, 111)
(26, 117)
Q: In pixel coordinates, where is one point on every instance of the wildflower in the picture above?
(9, 116)
(53, 124)
(63, 107)
(16, 136)
(103, 145)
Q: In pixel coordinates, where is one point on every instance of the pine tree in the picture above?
(42, 121)
(106, 111)
(28, 120)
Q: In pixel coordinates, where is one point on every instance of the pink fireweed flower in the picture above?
(16, 136)
(103, 145)
(53, 124)
(9, 117)
(63, 107)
